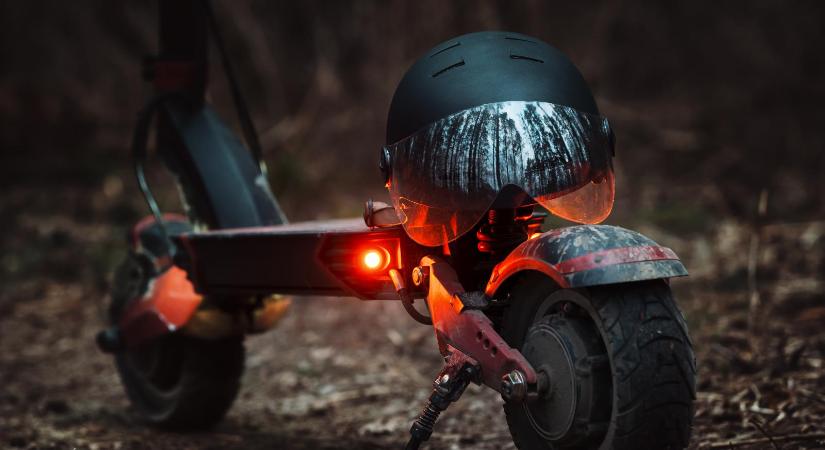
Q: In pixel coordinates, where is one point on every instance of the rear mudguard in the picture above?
(589, 255)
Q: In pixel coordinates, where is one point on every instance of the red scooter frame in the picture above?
(327, 258)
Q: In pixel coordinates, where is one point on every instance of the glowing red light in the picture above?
(374, 259)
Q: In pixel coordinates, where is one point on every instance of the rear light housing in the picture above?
(362, 262)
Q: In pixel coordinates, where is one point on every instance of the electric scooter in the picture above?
(575, 327)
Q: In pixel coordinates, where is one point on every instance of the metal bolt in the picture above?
(514, 387)
(544, 385)
(110, 340)
(419, 276)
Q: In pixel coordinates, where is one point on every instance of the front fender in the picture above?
(589, 255)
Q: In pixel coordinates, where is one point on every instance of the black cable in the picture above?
(139, 153)
(407, 298)
(417, 316)
(247, 126)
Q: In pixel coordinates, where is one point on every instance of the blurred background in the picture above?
(717, 108)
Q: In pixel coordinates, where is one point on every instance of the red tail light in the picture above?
(362, 262)
(375, 259)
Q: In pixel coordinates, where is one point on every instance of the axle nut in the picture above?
(514, 387)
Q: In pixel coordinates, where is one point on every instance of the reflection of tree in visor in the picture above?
(446, 176)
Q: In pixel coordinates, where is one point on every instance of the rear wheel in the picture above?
(618, 360)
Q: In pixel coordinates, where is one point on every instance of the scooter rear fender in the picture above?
(589, 255)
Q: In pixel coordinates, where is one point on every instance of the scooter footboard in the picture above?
(311, 258)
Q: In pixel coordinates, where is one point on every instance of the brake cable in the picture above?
(247, 125)
(407, 298)
(139, 154)
(141, 135)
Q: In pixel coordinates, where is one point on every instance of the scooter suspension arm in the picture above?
(469, 331)
(473, 351)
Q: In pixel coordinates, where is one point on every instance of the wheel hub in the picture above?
(574, 405)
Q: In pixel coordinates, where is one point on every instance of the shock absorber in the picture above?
(505, 230)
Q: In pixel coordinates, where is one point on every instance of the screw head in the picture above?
(418, 276)
(514, 387)
(441, 381)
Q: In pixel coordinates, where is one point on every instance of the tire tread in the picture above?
(652, 398)
(652, 360)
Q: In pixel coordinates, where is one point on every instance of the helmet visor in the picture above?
(446, 176)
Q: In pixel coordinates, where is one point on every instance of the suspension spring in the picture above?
(505, 230)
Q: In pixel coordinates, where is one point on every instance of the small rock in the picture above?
(287, 379)
(384, 426)
(321, 354)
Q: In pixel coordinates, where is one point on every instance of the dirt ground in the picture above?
(716, 106)
(345, 374)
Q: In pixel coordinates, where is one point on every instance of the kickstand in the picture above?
(458, 371)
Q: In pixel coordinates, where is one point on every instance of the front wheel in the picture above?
(618, 361)
(173, 381)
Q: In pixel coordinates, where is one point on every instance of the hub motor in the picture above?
(573, 407)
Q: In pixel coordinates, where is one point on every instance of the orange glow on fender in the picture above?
(535, 235)
(375, 259)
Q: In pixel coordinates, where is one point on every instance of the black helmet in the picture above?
(494, 118)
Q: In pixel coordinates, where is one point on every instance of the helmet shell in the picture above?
(494, 120)
(481, 68)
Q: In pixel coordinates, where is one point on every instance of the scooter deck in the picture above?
(306, 258)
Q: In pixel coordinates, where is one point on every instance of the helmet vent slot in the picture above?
(445, 49)
(450, 67)
(528, 58)
(511, 38)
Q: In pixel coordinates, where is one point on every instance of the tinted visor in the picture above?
(445, 177)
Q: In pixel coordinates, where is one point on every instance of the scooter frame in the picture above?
(252, 251)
